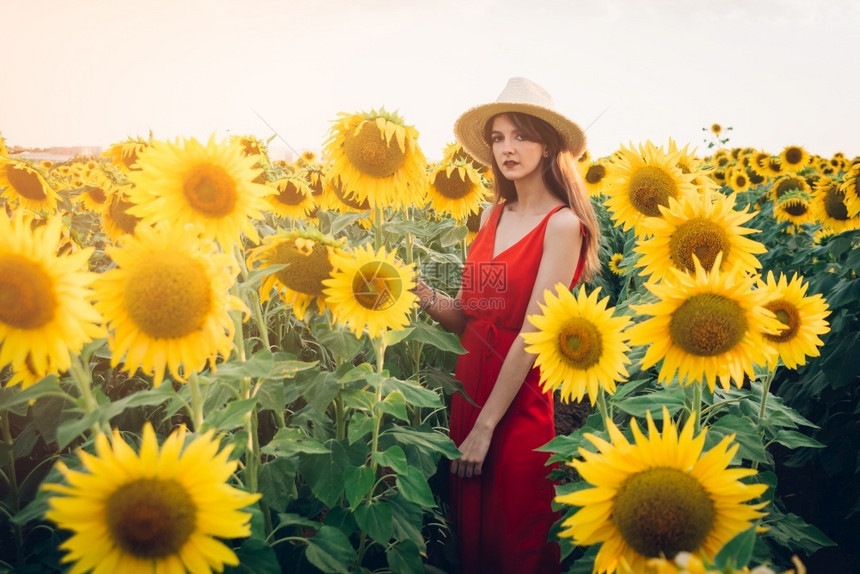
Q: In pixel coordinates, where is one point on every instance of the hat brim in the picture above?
(469, 128)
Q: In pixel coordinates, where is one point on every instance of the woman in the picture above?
(541, 231)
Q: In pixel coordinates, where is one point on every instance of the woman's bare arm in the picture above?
(562, 244)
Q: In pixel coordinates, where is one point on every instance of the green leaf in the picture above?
(737, 552)
(377, 520)
(395, 405)
(340, 342)
(357, 482)
(232, 416)
(414, 393)
(255, 556)
(393, 337)
(431, 442)
(272, 396)
(671, 397)
(324, 472)
(408, 521)
(356, 399)
(330, 550)
(360, 425)
(404, 558)
(436, 337)
(12, 397)
(290, 441)
(797, 534)
(392, 457)
(277, 482)
(413, 485)
(794, 439)
(746, 435)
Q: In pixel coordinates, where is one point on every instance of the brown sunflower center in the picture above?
(649, 188)
(377, 285)
(663, 511)
(834, 204)
(707, 325)
(595, 173)
(305, 271)
(290, 193)
(473, 221)
(793, 156)
(787, 185)
(25, 182)
(740, 180)
(167, 295)
(701, 237)
(27, 299)
(580, 343)
(97, 194)
(795, 207)
(151, 518)
(348, 198)
(370, 153)
(453, 186)
(210, 190)
(788, 315)
(118, 212)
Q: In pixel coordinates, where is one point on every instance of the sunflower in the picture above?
(688, 163)
(167, 301)
(210, 186)
(794, 207)
(785, 183)
(116, 220)
(705, 325)
(294, 198)
(306, 158)
(159, 510)
(829, 209)
(640, 181)
(773, 167)
(370, 291)
(307, 256)
(579, 345)
(338, 198)
(251, 146)
(704, 226)
(794, 158)
(594, 176)
(737, 179)
(658, 496)
(758, 163)
(46, 309)
(25, 186)
(123, 155)
(852, 193)
(456, 189)
(454, 152)
(376, 155)
(473, 224)
(615, 264)
(802, 318)
(716, 129)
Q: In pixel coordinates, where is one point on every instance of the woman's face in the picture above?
(516, 156)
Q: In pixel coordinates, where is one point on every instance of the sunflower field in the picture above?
(214, 361)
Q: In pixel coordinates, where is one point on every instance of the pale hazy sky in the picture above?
(93, 72)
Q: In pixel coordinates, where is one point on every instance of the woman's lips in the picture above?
(510, 163)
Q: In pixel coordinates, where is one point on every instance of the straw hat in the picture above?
(520, 95)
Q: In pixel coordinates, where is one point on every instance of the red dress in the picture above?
(503, 516)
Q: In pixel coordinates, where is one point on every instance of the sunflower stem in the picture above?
(340, 417)
(377, 228)
(196, 411)
(601, 405)
(696, 407)
(765, 390)
(12, 481)
(83, 380)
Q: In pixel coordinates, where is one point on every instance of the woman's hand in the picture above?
(474, 449)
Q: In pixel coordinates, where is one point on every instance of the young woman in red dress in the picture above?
(541, 231)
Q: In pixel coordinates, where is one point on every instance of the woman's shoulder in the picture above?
(485, 215)
(564, 220)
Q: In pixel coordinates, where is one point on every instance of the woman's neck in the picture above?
(533, 197)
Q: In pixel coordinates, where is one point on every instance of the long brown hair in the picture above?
(561, 179)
